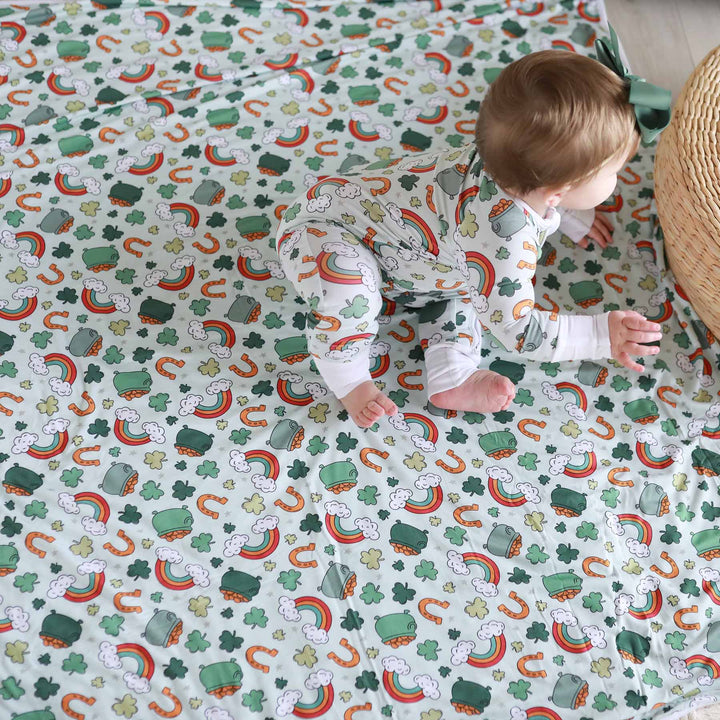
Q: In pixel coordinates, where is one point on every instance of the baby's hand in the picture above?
(600, 231)
(628, 329)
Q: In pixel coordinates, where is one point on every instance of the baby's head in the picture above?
(557, 120)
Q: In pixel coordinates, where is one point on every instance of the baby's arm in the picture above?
(628, 330)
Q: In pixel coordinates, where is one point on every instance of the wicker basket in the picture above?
(687, 190)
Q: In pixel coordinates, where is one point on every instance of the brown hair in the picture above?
(551, 119)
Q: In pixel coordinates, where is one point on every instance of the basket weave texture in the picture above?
(687, 189)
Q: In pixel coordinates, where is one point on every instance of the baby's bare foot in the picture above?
(483, 391)
(366, 404)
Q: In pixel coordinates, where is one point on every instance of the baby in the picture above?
(456, 234)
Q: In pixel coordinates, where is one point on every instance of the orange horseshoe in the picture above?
(524, 609)
(407, 385)
(422, 607)
(460, 467)
(30, 539)
(408, 337)
(160, 366)
(386, 23)
(372, 451)
(322, 113)
(20, 200)
(88, 410)
(242, 33)
(59, 275)
(280, 211)
(174, 174)
(609, 435)
(464, 89)
(318, 41)
(528, 433)
(354, 659)
(308, 259)
(177, 705)
(588, 561)
(460, 126)
(253, 409)
(620, 483)
(673, 567)
(319, 148)
(378, 191)
(176, 48)
(637, 214)
(245, 373)
(350, 712)
(11, 97)
(302, 563)
(458, 512)
(530, 673)
(249, 107)
(634, 178)
(389, 84)
(205, 289)
(129, 241)
(17, 399)
(554, 307)
(440, 285)
(210, 513)
(31, 63)
(33, 157)
(668, 389)
(615, 286)
(429, 191)
(77, 456)
(48, 323)
(250, 657)
(67, 699)
(333, 322)
(106, 131)
(678, 618)
(299, 501)
(102, 39)
(170, 84)
(129, 545)
(118, 601)
(559, 19)
(184, 134)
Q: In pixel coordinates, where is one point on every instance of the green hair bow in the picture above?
(652, 103)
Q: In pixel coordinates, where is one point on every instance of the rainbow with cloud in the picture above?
(643, 527)
(145, 662)
(391, 682)
(338, 532)
(568, 643)
(164, 573)
(491, 572)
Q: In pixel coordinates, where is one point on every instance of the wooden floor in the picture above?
(665, 39)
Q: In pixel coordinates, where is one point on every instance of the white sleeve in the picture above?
(576, 223)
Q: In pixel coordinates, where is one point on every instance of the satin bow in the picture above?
(651, 103)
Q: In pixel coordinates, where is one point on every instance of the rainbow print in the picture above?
(247, 270)
(653, 603)
(429, 429)
(391, 681)
(568, 643)
(68, 371)
(536, 9)
(288, 395)
(491, 573)
(212, 153)
(100, 508)
(307, 84)
(5, 625)
(583, 469)
(541, 713)
(145, 663)
(223, 402)
(163, 572)
(126, 436)
(203, 73)
(431, 503)
(706, 366)
(153, 163)
(438, 114)
(145, 71)
(423, 168)
(66, 187)
(55, 84)
(577, 394)
(90, 301)
(562, 45)
(646, 457)
(5, 183)
(500, 495)
(323, 702)
(27, 307)
(163, 104)
(299, 135)
(350, 340)
(162, 24)
(18, 32)
(493, 656)
(712, 433)
(427, 239)
(181, 281)
(299, 15)
(290, 60)
(346, 537)
(442, 63)
(56, 447)
(329, 270)
(269, 544)
(644, 531)
(271, 466)
(96, 581)
(320, 611)
(478, 262)
(357, 132)
(586, 14)
(711, 589)
(379, 365)
(318, 188)
(703, 662)
(227, 334)
(190, 215)
(17, 134)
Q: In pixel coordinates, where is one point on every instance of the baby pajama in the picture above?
(433, 233)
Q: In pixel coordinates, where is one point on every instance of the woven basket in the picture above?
(687, 190)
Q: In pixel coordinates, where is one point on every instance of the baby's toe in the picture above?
(388, 406)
